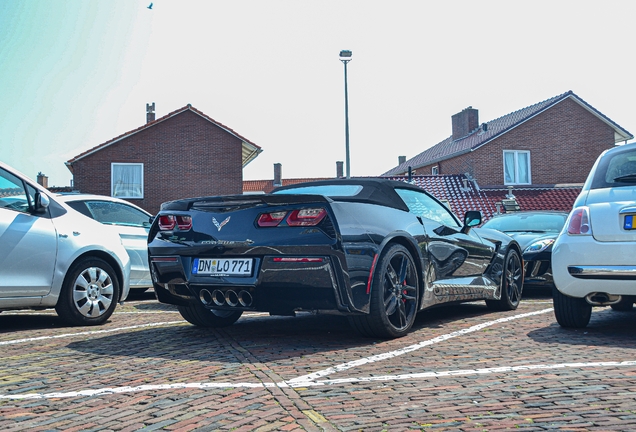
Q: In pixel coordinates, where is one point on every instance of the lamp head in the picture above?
(345, 55)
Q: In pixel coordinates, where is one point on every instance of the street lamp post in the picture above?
(345, 57)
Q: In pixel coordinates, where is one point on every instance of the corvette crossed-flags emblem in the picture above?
(220, 225)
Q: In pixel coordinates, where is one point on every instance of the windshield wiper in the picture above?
(629, 178)
(525, 230)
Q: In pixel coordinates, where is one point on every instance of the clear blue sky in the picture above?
(76, 73)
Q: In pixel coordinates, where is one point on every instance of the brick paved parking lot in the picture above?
(462, 368)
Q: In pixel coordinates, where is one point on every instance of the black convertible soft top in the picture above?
(374, 190)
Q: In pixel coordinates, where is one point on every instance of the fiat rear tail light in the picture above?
(306, 217)
(579, 223)
(170, 222)
(271, 219)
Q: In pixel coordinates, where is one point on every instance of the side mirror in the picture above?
(472, 218)
(41, 203)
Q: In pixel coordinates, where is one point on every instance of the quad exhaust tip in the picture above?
(226, 298)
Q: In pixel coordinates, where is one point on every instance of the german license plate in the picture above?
(628, 224)
(222, 266)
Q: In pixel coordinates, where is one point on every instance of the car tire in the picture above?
(625, 305)
(90, 293)
(571, 312)
(394, 296)
(198, 315)
(511, 284)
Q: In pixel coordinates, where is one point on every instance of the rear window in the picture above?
(616, 169)
(324, 190)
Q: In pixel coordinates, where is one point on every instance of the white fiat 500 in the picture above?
(594, 257)
(53, 257)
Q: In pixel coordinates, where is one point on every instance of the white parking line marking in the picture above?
(465, 372)
(310, 379)
(296, 384)
(411, 348)
(94, 332)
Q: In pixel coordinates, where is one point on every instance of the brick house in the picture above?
(552, 142)
(182, 154)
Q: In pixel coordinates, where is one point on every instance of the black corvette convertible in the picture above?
(375, 250)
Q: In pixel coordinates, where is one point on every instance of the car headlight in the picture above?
(539, 246)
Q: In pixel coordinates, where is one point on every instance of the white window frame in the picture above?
(435, 170)
(113, 191)
(516, 154)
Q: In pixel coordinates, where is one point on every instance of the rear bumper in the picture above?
(581, 266)
(275, 286)
(603, 272)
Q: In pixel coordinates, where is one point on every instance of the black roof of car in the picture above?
(374, 190)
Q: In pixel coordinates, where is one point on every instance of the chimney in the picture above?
(150, 112)
(278, 174)
(43, 180)
(401, 160)
(339, 170)
(465, 122)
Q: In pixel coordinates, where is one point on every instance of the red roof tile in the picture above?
(544, 198)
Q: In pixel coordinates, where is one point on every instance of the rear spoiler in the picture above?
(234, 201)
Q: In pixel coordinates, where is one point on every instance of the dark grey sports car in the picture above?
(375, 250)
(536, 232)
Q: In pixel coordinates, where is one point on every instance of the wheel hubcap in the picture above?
(93, 292)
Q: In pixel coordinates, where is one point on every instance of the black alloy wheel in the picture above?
(394, 296)
(511, 284)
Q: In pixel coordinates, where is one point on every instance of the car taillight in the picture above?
(298, 259)
(301, 217)
(306, 217)
(167, 222)
(184, 222)
(579, 223)
(170, 222)
(271, 219)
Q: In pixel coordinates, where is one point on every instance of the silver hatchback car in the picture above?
(129, 221)
(53, 257)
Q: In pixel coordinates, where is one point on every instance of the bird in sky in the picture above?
(150, 6)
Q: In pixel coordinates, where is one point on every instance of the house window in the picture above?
(127, 180)
(435, 170)
(516, 167)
